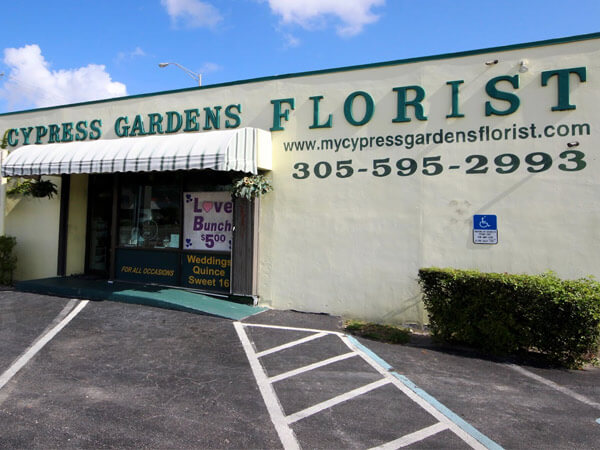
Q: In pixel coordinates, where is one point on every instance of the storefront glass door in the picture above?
(100, 204)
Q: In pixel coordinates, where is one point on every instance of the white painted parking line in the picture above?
(281, 327)
(447, 420)
(434, 408)
(553, 385)
(285, 433)
(412, 438)
(290, 344)
(46, 337)
(313, 366)
(335, 401)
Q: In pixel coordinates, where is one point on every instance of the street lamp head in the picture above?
(194, 75)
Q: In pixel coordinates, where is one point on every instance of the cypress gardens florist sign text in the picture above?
(499, 97)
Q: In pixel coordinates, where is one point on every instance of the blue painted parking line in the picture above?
(447, 420)
(453, 417)
(467, 427)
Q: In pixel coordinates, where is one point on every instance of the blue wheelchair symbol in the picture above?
(485, 222)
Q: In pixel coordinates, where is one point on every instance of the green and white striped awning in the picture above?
(244, 150)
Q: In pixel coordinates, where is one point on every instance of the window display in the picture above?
(149, 215)
(175, 229)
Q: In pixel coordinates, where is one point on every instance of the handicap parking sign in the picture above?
(485, 229)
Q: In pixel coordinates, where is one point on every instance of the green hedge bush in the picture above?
(8, 261)
(505, 314)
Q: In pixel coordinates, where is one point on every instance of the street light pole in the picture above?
(194, 75)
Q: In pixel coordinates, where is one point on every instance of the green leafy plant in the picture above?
(34, 188)
(507, 314)
(4, 143)
(251, 187)
(378, 332)
(8, 261)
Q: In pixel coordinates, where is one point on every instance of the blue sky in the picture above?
(65, 51)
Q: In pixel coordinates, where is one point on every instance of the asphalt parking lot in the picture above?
(110, 375)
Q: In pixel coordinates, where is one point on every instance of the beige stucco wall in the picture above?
(353, 245)
(34, 222)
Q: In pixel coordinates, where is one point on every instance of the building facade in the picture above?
(483, 159)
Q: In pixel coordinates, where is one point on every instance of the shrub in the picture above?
(8, 261)
(378, 332)
(505, 314)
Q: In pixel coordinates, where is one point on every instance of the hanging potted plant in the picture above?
(33, 187)
(251, 187)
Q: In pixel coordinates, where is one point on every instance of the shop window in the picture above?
(149, 212)
(184, 229)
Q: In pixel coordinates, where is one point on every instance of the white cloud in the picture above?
(353, 14)
(137, 52)
(291, 40)
(208, 67)
(31, 82)
(192, 13)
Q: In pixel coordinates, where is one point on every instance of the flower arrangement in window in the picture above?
(251, 187)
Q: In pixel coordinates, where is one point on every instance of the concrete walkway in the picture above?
(150, 295)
